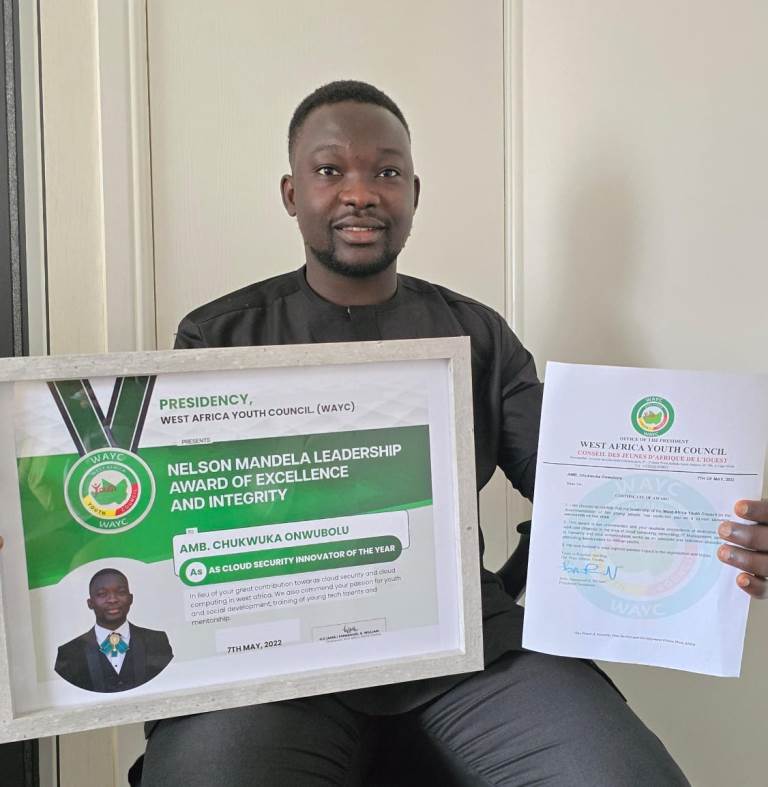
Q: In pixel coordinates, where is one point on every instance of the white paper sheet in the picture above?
(636, 469)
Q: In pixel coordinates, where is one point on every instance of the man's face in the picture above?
(110, 599)
(352, 188)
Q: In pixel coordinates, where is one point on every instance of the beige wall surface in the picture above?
(224, 81)
(645, 170)
(73, 176)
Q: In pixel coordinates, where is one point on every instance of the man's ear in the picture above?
(287, 193)
(89, 603)
(416, 191)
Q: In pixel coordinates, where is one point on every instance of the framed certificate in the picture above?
(193, 530)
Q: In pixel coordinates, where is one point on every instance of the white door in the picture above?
(223, 81)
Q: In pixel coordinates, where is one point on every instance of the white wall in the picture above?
(645, 129)
(645, 168)
(69, 81)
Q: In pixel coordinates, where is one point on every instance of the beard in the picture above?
(328, 258)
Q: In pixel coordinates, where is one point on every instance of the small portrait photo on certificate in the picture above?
(114, 654)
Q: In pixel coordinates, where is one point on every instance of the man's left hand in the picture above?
(747, 546)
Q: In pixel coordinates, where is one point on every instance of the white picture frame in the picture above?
(444, 367)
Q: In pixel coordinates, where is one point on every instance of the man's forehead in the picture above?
(338, 147)
(109, 580)
(338, 126)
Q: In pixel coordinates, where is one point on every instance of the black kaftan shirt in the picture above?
(506, 391)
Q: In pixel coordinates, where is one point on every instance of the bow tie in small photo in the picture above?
(113, 645)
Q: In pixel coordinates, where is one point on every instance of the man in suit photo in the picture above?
(113, 655)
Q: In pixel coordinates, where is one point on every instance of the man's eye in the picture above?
(327, 171)
(389, 172)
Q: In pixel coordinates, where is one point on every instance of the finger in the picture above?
(753, 562)
(754, 586)
(748, 536)
(754, 510)
(1, 542)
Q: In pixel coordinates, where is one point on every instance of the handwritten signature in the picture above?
(588, 569)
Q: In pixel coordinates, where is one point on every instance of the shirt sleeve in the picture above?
(520, 406)
(189, 336)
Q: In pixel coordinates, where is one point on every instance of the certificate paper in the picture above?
(636, 469)
(268, 522)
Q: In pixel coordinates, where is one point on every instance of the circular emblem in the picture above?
(653, 416)
(195, 571)
(662, 581)
(109, 490)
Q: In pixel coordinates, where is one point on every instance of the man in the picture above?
(528, 717)
(114, 655)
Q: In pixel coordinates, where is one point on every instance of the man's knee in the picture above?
(301, 742)
(532, 718)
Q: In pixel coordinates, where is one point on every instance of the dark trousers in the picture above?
(528, 719)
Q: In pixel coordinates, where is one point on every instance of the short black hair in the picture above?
(103, 572)
(336, 93)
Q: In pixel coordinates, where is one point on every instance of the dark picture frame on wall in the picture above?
(19, 761)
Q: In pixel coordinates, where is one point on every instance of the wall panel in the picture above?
(644, 170)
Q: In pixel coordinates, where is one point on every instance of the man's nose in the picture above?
(359, 193)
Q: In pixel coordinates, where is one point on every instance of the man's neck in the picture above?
(349, 290)
(111, 626)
